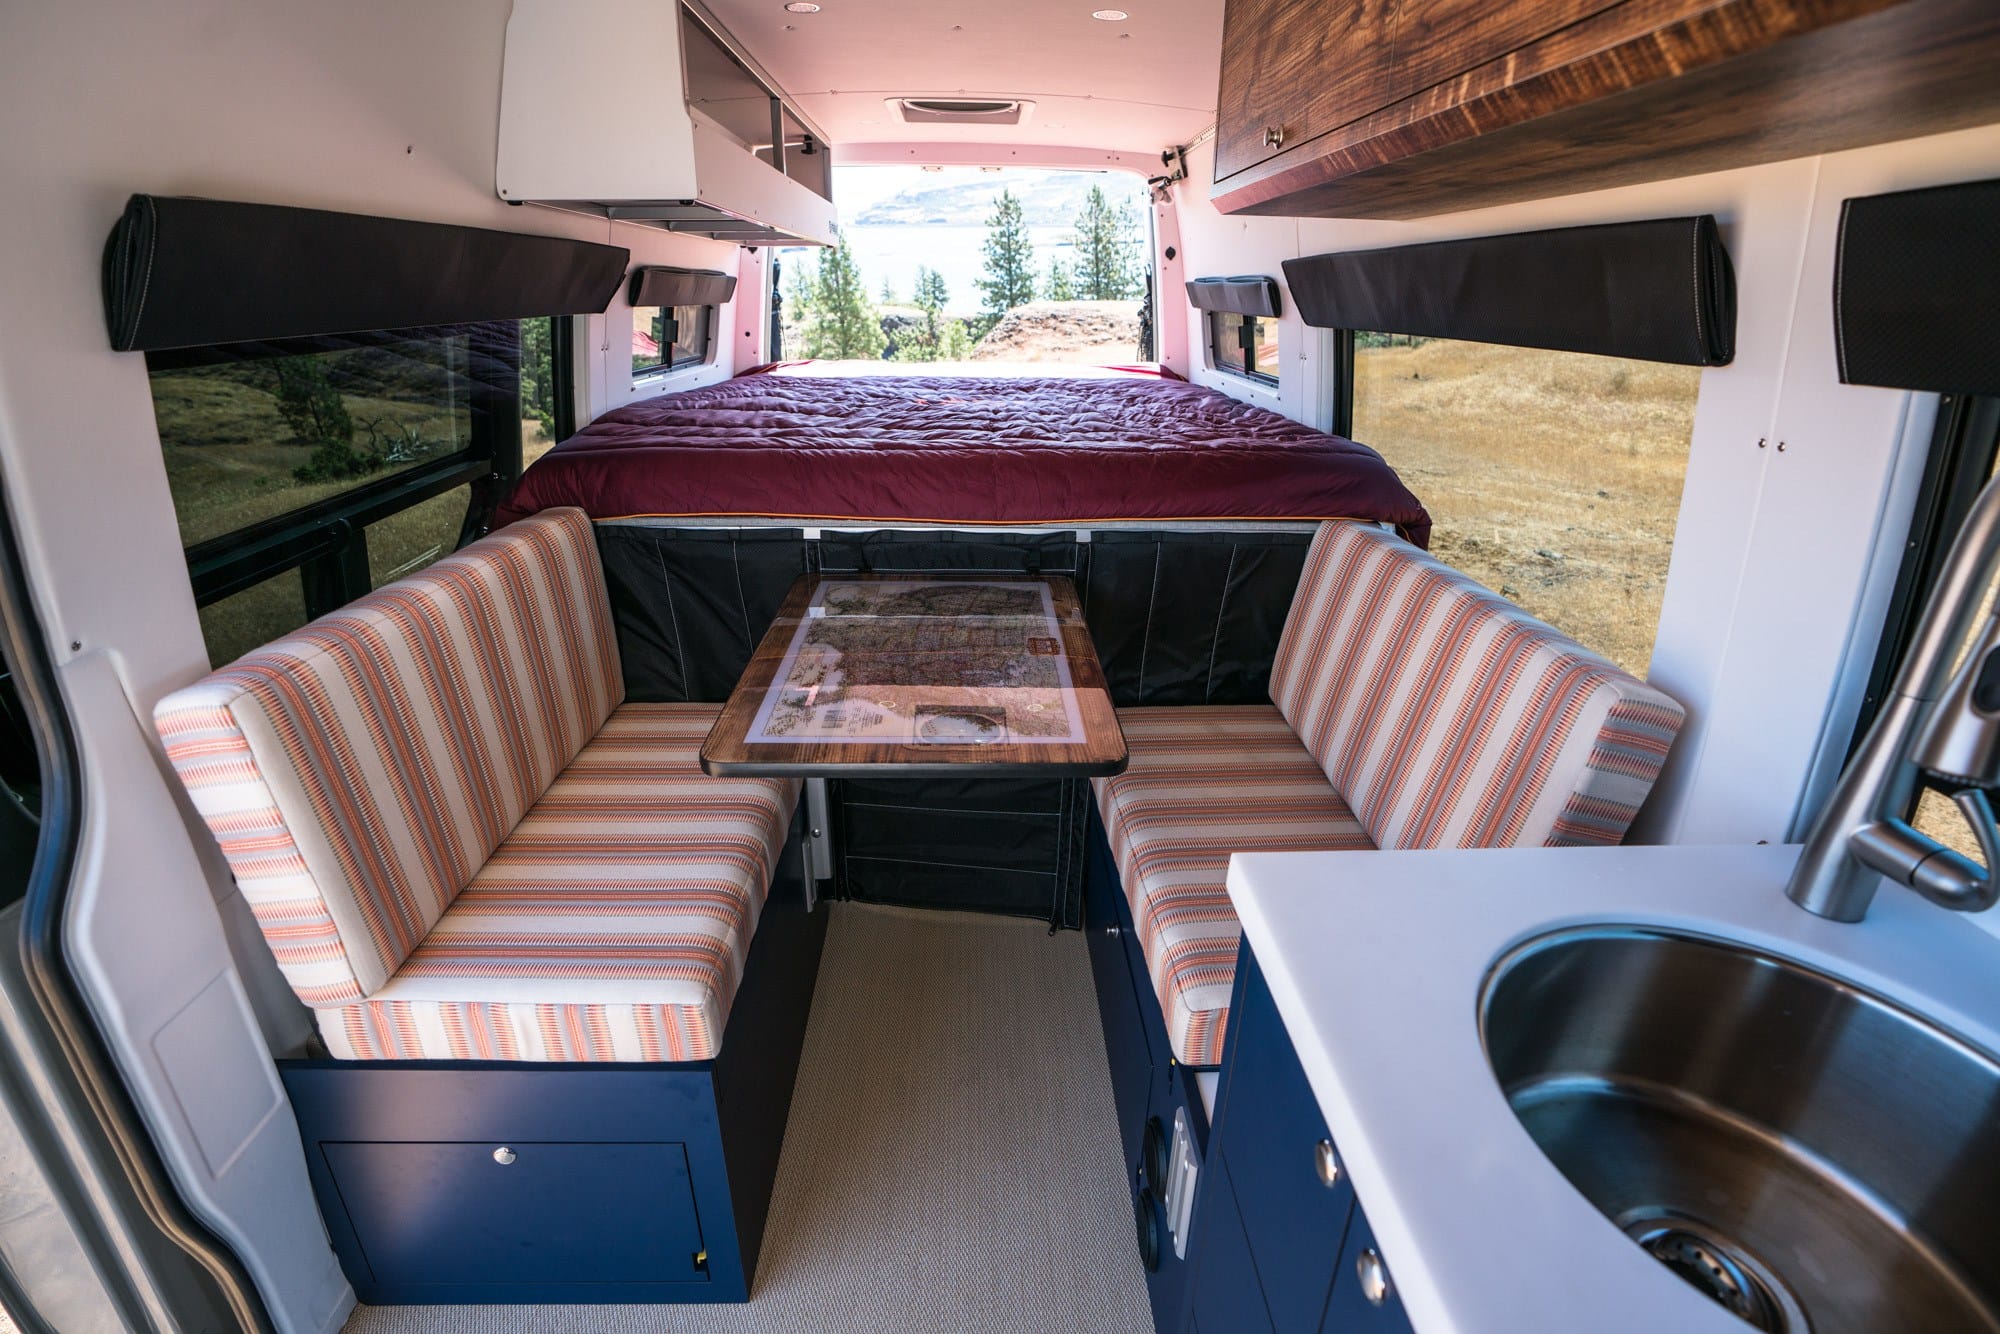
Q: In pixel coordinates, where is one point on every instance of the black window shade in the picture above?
(658, 285)
(1252, 295)
(1657, 291)
(199, 272)
(1916, 290)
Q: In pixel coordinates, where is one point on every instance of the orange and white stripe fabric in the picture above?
(1447, 717)
(1202, 783)
(611, 925)
(359, 772)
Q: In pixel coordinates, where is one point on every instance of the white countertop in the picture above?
(1376, 961)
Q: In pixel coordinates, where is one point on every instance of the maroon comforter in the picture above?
(945, 449)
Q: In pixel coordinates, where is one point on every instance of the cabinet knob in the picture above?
(1274, 136)
(1374, 1276)
(504, 1156)
(1326, 1163)
(1111, 930)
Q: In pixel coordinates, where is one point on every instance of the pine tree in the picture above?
(1009, 279)
(955, 344)
(1061, 286)
(1104, 236)
(889, 293)
(931, 296)
(840, 321)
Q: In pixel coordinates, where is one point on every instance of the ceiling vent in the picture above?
(961, 110)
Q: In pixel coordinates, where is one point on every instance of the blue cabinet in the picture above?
(525, 1213)
(1365, 1300)
(1227, 1295)
(1279, 1240)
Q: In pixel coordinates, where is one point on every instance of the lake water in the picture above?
(894, 253)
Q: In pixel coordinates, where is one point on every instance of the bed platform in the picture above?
(1009, 449)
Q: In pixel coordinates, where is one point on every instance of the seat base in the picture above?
(517, 1182)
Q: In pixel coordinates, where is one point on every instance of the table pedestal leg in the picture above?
(819, 837)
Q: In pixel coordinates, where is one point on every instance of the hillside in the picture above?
(1089, 332)
(1048, 199)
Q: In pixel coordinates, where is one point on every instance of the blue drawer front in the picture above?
(1351, 1311)
(1270, 1129)
(447, 1213)
(1226, 1292)
(1113, 956)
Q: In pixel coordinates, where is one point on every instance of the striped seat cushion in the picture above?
(1205, 782)
(1447, 717)
(610, 925)
(360, 771)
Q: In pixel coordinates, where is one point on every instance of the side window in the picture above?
(1964, 457)
(1552, 477)
(666, 338)
(1245, 345)
(307, 471)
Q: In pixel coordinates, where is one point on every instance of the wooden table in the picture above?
(921, 674)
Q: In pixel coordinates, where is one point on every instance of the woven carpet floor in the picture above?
(952, 1159)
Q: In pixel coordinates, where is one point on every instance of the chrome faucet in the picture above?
(1933, 723)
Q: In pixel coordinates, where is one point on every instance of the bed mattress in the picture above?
(1023, 448)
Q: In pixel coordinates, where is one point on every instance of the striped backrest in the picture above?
(1447, 717)
(358, 772)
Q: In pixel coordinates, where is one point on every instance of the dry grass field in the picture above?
(1553, 477)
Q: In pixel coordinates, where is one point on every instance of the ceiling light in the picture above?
(801, 7)
(1108, 15)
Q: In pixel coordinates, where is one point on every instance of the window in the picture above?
(1552, 477)
(548, 384)
(1964, 457)
(306, 471)
(666, 338)
(1245, 345)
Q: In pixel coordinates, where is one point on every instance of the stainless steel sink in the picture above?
(1807, 1154)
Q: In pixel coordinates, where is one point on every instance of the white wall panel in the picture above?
(1774, 597)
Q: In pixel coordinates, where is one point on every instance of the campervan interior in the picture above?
(879, 665)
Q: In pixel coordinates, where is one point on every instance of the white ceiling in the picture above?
(1139, 85)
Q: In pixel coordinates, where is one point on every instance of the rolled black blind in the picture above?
(1251, 295)
(199, 272)
(1659, 291)
(1916, 290)
(659, 285)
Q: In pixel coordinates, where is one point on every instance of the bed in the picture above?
(1007, 446)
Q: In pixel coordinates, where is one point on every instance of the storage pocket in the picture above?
(458, 1213)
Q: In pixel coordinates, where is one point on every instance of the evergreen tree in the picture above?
(889, 293)
(840, 321)
(1061, 286)
(309, 403)
(922, 341)
(538, 375)
(931, 296)
(955, 344)
(1009, 279)
(1104, 261)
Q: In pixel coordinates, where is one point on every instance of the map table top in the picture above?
(914, 674)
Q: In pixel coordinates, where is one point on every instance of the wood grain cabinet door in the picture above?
(1294, 69)
(1437, 40)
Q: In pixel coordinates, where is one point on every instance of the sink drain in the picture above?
(1727, 1273)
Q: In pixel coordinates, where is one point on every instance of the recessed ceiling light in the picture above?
(802, 7)
(1108, 15)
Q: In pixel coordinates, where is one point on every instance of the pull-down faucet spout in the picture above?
(1933, 722)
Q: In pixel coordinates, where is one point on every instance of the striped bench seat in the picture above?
(1412, 708)
(459, 842)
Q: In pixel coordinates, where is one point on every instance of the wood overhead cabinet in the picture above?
(1403, 108)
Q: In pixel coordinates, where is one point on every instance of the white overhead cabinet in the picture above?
(644, 112)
